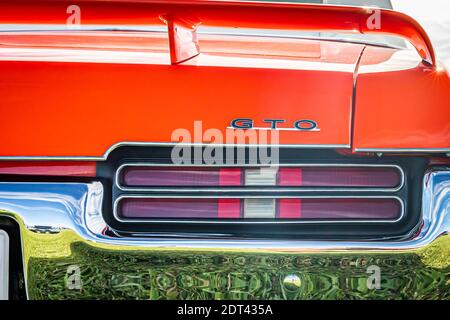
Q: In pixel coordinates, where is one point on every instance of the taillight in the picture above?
(315, 192)
(193, 177)
(288, 176)
(386, 177)
(297, 208)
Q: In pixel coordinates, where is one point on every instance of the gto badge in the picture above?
(247, 124)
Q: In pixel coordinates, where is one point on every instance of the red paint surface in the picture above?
(403, 107)
(79, 93)
(82, 109)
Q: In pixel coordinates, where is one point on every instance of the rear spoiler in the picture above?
(182, 18)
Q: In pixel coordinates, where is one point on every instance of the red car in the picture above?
(221, 150)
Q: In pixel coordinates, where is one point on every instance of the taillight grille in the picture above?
(170, 208)
(288, 193)
(309, 194)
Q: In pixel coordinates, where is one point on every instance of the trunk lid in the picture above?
(78, 94)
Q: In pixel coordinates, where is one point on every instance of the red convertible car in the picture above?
(221, 150)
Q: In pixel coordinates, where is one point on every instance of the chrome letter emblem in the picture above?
(274, 124)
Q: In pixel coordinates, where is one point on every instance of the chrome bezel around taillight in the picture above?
(253, 221)
(257, 189)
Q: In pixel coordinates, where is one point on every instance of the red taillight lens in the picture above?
(169, 208)
(194, 177)
(180, 208)
(339, 177)
(386, 209)
(149, 176)
(260, 208)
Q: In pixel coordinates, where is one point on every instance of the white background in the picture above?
(434, 16)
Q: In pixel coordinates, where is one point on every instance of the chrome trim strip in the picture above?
(401, 150)
(243, 221)
(352, 117)
(250, 189)
(172, 144)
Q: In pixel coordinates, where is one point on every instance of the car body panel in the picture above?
(128, 79)
(92, 106)
(130, 85)
(400, 103)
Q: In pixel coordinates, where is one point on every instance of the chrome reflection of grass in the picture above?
(109, 274)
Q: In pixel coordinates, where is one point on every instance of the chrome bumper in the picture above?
(67, 255)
